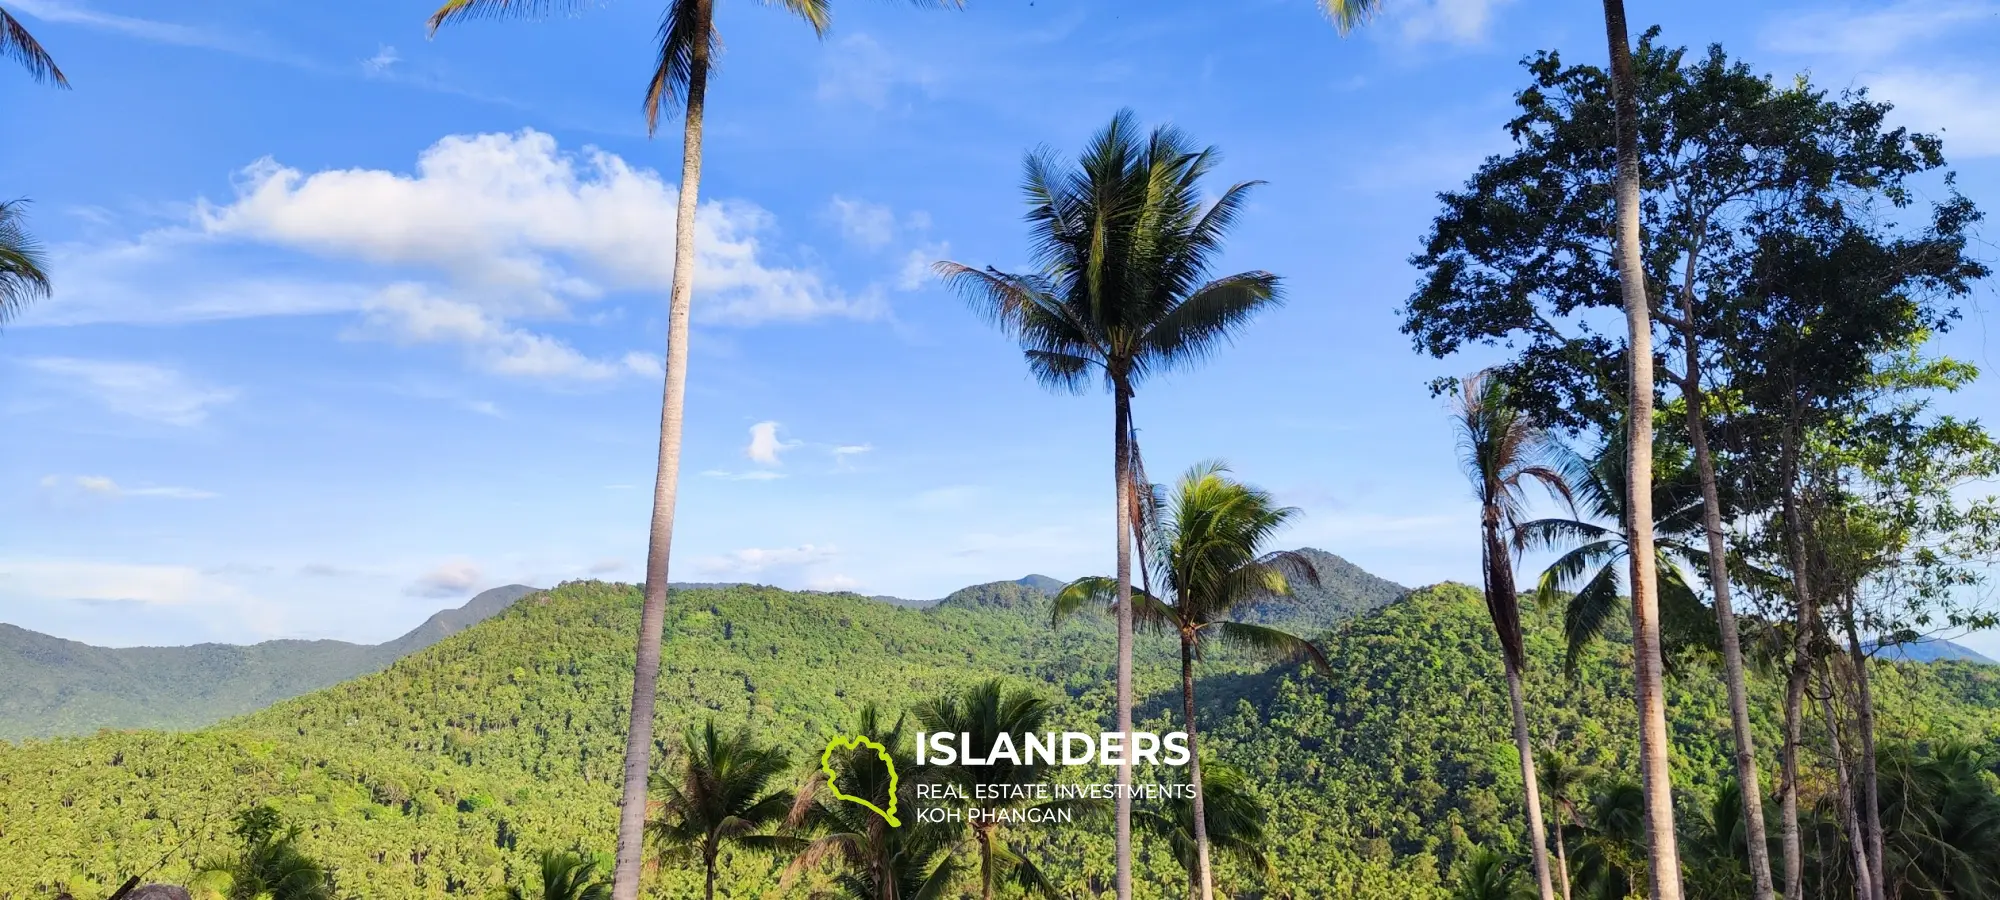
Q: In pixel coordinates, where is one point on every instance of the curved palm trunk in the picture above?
(1121, 466)
(652, 616)
(1663, 854)
(1562, 859)
(709, 885)
(985, 836)
(1501, 602)
(1747, 780)
(1204, 879)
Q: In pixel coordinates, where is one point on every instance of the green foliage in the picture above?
(566, 876)
(23, 266)
(722, 797)
(1377, 781)
(270, 866)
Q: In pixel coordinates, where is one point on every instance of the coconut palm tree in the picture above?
(1588, 579)
(1647, 662)
(984, 713)
(1234, 819)
(871, 859)
(23, 269)
(1124, 245)
(687, 46)
(18, 44)
(1487, 875)
(270, 866)
(565, 876)
(1561, 777)
(1503, 452)
(1204, 548)
(722, 798)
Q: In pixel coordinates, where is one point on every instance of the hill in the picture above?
(443, 775)
(50, 686)
(1935, 650)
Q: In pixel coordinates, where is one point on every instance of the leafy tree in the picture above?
(983, 714)
(1124, 245)
(1207, 550)
(872, 860)
(565, 876)
(16, 42)
(1502, 452)
(1235, 817)
(23, 268)
(687, 47)
(722, 798)
(1487, 875)
(270, 866)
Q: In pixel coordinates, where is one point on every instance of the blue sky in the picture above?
(349, 323)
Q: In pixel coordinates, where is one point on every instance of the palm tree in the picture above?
(1611, 857)
(1561, 776)
(983, 714)
(1234, 819)
(1487, 875)
(270, 866)
(722, 798)
(1647, 664)
(687, 45)
(1205, 553)
(565, 876)
(1124, 245)
(23, 269)
(16, 42)
(873, 861)
(1586, 581)
(1502, 452)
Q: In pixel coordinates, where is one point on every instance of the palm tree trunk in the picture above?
(1795, 684)
(1121, 465)
(1868, 800)
(652, 615)
(1502, 603)
(1657, 780)
(985, 862)
(1747, 780)
(1864, 883)
(1562, 859)
(1203, 876)
(709, 892)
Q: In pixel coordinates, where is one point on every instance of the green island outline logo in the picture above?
(856, 742)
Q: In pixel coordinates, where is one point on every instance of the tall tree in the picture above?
(565, 876)
(17, 44)
(1207, 550)
(1123, 245)
(872, 860)
(1561, 776)
(24, 273)
(1234, 821)
(981, 716)
(1648, 692)
(270, 865)
(1503, 452)
(687, 49)
(723, 797)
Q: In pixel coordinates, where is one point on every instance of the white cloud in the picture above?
(1957, 105)
(606, 566)
(384, 59)
(152, 585)
(105, 487)
(754, 560)
(870, 225)
(141, 390)
(529, 226)
(765, 445)
(449, 579)
(857, 68)
(69, 12)
(832, 582)
(409, 313)
(916, 271)
(844, 450)
(1447, 21)
(1873, 31)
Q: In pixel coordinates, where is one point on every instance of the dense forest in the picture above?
(448, 774)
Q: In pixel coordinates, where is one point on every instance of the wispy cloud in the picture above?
(1873, 31)
(858, 69)
(756, 560)
(103, 486)
(146, 391)
(69, 12)
(449, 579)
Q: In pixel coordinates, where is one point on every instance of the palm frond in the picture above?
(23, 267)
(17, 44)
(687, 43)
(1275, 643)
(459, 10)
(1195, 328)
(1588, 613)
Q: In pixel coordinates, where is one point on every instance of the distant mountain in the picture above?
(1042, 583)
(1932, 651)
(50, 686)
(1344, 591)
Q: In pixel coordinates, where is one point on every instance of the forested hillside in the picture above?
(443, 775)
(50, 686)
